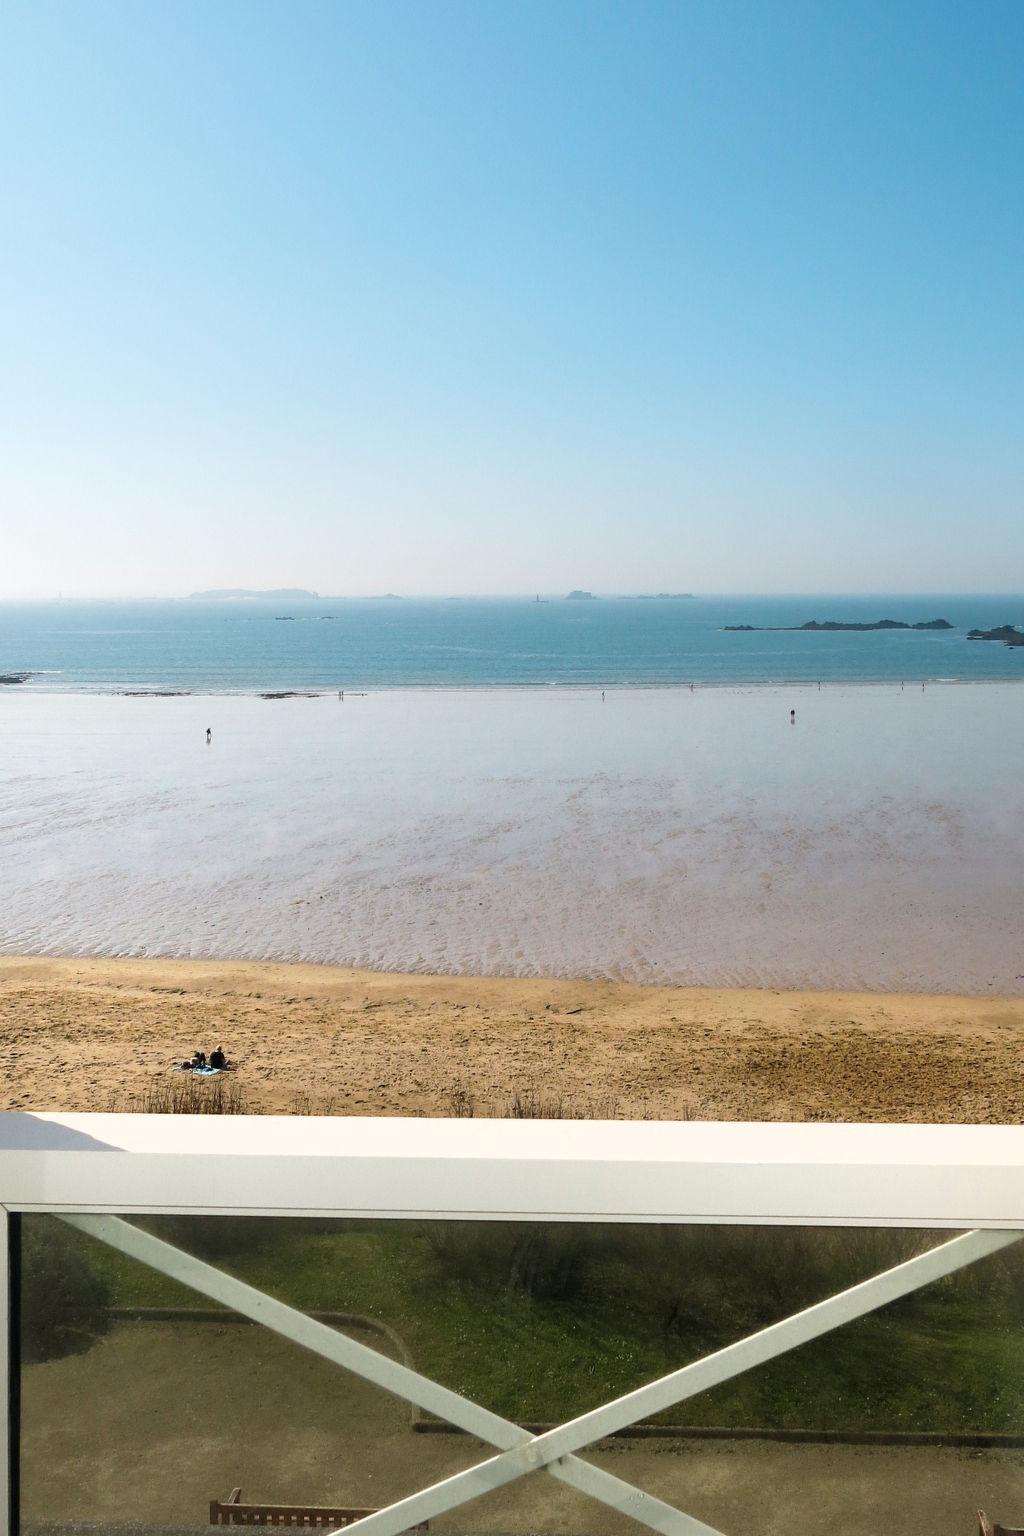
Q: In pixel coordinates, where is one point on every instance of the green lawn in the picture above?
(562, 1340)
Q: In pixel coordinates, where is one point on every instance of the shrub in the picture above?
(64, 1303)
(542, 1260)
(215, 1237)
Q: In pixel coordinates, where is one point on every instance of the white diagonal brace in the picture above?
(546, 1450)
(394, 1377)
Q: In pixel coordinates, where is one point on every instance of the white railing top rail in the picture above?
(820, 1174)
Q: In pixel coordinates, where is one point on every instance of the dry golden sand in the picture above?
(89, 1034)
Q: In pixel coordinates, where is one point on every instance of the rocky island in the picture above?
(577, 595)
(834, 626)
(1009, 634)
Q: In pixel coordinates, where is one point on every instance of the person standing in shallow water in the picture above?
(792, 717)
(209, 735)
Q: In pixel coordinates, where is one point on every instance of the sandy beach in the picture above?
(96, 1034)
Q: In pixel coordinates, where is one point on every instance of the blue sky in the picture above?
(439, 297)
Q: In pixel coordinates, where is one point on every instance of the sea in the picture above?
(612, 789)
(251, 645)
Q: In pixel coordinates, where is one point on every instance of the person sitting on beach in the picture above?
(218, 1059)
(198, 1059)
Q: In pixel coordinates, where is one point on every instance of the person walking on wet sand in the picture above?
(792, 717)
(209, 735)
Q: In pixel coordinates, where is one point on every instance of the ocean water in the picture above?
(249, 646)
(658, 836)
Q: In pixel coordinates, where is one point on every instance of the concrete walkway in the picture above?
(157, 1419)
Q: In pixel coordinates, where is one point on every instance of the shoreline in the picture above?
(96, 1034)
(278, 690)
(345, 971)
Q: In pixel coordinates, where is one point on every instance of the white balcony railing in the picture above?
(97, 1172)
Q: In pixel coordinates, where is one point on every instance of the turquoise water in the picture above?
(209, 647)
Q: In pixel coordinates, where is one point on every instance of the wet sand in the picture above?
(665, 838)
(97, 1034)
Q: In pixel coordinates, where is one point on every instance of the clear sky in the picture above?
(431, 296)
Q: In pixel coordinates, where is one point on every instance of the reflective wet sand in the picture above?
(659, 837)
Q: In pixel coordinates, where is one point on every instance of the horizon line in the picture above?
(556, 595)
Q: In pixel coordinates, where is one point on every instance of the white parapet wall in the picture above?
(874, 1175)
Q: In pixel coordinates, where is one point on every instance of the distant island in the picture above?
(217, 593)
(833, 626)
(578, 596)
(1009, 634)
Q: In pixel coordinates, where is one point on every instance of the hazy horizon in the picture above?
(460, 299)
(552, 595)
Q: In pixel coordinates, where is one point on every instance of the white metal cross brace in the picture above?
(292, 1324)
(552, 1451)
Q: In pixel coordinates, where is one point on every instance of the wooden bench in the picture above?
(233, 1512)
(987, 1527)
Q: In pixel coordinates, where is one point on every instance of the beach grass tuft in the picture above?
(185, 1095)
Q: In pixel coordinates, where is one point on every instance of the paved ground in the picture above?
(157, 1419)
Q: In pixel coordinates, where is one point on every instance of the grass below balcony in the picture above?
(543, 1322)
